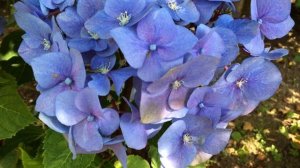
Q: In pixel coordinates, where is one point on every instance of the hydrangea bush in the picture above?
(167, 61)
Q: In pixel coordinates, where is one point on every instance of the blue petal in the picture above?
(100, 83)
(171, 141)
(120, 76)
(134, 132)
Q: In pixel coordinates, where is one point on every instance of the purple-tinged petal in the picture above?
(115, 8)
(120, 151)
(101, 24)
(204, 68)
(154, 68)
(197, 125)
(53, 123)
(216, 141)
(277, 30)
(181, 158)
(70, 22)
(105, 63)
(206, 9)
(178, 97)
(39, 28)
(46, 101)
(272, 10)
(189, 12)
(66, 111)
(172, 140)
(134, 50)
(120, 76)
(48, 70)
(256, 45)
(183, 42)
(100, 83)
(108, 121)
(134, 132)
(87, 101)
(88, 8)
(154, 108)
(78, 69)
(87, 136)
(274, 54)
(153, 29)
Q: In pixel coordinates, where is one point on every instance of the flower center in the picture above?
(104, 69)
(124, 18)
(172, 4)
(240, 83)
(68, 81)
(47, 45)
(260, 21)
(90, 118)
(187, 138)
(94, 36)
(177, 84)
(153, 47)
(201, 105)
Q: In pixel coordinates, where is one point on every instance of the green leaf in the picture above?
(28, 162)
(14, 113)
(31, 136)
(133, 161)
(58, 155)
(237, 136)
(154, 156)
(10, 160)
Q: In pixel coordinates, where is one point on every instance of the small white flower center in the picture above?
(201, 105)
(187, 138)
(240, 83)
(177, 84)
(260, 21)
(90, 118)
(95, 36)
(153, 47)
(104, 69)
(124, 18)
(68, 81)
(47, 45)
(172, 4)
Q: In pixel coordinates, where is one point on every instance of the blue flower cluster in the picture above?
(180, 54)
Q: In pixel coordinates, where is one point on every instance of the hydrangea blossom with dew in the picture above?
(163, 68)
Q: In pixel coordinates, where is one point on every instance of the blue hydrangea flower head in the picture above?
(207, 103)
(135, 133)
(181, 10)
(255, 80)
(156, 46)
(102, 73)
(189, 136)
(218, 42)
(179, 81)
(117, 13)
(40, 38)
(88, 122)
(56, 72)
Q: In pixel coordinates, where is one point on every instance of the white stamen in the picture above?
(124, 18)
(104, 69)
(46, 43)
(95, 36)
(172, 4)
(240, 83)
(187, 138)
(177, 84)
